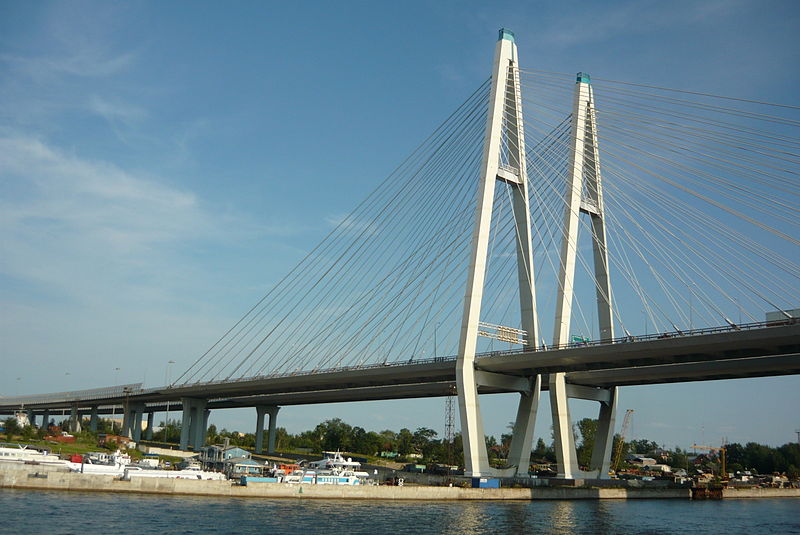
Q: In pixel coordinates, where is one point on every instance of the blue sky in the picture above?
(163, 164)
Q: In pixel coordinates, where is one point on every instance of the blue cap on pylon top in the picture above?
(506, 34)
(583, 77)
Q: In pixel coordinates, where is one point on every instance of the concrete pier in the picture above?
(47, 478)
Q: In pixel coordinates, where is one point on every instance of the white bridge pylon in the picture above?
(505, 130)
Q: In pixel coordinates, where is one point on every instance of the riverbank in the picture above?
(49, 478)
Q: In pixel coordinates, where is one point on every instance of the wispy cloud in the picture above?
(596, 22)
(66, 219)
(116, 111)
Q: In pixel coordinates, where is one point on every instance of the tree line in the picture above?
(425, 444)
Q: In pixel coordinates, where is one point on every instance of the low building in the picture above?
(237, 467)
(641, 460)
(214, 457)
(663, 468)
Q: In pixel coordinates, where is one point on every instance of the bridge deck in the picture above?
(770, 350)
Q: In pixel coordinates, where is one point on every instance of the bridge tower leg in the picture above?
(584, 195)
(504, 128)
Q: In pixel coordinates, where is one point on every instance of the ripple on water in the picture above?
(67, 513)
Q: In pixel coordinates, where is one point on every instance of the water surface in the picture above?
(78, 513)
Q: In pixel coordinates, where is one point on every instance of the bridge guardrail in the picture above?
(571, 345)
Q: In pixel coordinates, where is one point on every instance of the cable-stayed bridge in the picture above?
(654, 232)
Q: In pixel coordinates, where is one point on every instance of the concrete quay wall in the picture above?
(36, 478)
(760, 493)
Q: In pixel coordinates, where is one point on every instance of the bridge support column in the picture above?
(186, 423)
(273, 433)
(261, 410)
(566, 455)
(45, 419)
(74, 419)
(133, 414)
(126, 422)
(519, 454)
(31, 417)
(93, 418)
(566, 458)
(604, 438)
(200, 435)
(194, 424)
(149, 434)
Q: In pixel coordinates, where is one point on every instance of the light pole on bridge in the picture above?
(166, 383)
(114, 407)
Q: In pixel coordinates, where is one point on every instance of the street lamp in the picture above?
(114, 407)
(166, 383)
(435, 345)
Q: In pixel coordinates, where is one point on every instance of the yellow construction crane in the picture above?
(721, 450)
(621, 444)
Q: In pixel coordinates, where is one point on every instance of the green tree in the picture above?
(11, 427)
(587, 429)
(405, 442)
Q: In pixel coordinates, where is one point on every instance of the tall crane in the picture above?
(721, 450)
(621, 444)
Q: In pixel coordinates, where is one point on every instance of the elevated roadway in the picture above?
(747, 351)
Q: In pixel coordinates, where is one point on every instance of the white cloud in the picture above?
(596, 22)
(116, 111)
(65, 219)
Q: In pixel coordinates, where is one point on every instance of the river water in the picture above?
(62, 513)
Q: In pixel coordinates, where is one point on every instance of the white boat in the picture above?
(27, 454)
(337, 464)
(330, 477)
(132, 472)
(113, 464)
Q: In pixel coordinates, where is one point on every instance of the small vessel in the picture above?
(189, 473)
(27, 454)
(337, 464)
(330, 477)
(101, 463)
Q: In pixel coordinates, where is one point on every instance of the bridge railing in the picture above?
(74, 395)
(452, 358)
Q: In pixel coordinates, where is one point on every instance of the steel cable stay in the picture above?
(302, 264)
(379, 270)
(360, 244)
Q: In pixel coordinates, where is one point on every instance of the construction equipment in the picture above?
(721, 450)
(621, 444)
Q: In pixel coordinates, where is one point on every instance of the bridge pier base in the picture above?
(93, 418)
(566, 454)
(261, 410)
(194, 423)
